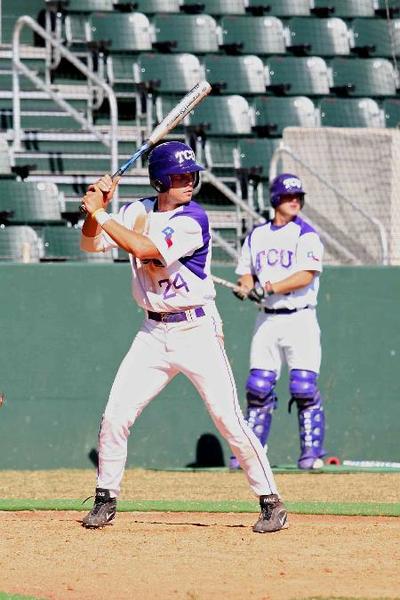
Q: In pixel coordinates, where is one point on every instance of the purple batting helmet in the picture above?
(171, 158)
(286, 183)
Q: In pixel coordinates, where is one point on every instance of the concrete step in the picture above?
(63, 163)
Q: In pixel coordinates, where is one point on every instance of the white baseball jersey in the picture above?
(183, 239)
(273, 253)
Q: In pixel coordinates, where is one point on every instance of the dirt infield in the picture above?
(198, 556)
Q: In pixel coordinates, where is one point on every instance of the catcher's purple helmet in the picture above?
(286, 183)
(171, 158)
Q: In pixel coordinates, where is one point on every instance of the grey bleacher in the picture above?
(272, 63)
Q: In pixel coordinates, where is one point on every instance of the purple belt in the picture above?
(283, 311)
(175, 317)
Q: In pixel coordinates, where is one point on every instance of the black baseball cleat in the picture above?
(103, 511)
(273, 516)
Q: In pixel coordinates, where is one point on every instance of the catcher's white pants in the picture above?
(294, 338)
(158, 352)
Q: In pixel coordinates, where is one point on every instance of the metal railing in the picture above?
(110, 141)
(252, 216)
(209, 177)
(226, 246)
(19, 67)
(282, 149)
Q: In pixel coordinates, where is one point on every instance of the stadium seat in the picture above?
(383, 7)
(273, 114)
(152, 7)
(77, 31)
(30, 202)
(120, 73)
(170, 73)
(121, 32)
(253, 162)
(5, 164)
(216, 8)
(376, 37)
(63, 243)
(219, 155)
(346, 9)
(89, 6)
(297, 76)
(235, 74)
(280, 8)
(350, 112)
(253, 35)
(255, 155)
(391, 109)
(10, 11)
(363, 77)
(223, 115)
(318, 37)
(19, 244)
(196, 34)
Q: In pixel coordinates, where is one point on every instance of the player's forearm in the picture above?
(91, 228)
(134, 243)
(293, 282)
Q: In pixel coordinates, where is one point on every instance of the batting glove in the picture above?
(257, 293)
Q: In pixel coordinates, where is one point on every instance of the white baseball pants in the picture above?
(158, 352)
(294, 338)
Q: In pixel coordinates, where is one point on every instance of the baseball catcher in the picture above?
(279, 267)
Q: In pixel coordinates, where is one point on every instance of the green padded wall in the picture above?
(64, 328)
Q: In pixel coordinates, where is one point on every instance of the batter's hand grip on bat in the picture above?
(173, 118)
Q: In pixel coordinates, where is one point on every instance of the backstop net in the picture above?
(352, 180)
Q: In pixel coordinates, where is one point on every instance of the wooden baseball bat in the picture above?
(173, 118)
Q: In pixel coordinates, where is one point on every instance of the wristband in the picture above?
(268, 288)
(101, 216)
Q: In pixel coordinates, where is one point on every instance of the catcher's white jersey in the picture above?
(182, 237)
(273, 253)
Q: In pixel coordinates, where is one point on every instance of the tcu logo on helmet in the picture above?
(183, 155)
(292, 182)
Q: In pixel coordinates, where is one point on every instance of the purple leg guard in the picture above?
(311, 417)
(261, 402)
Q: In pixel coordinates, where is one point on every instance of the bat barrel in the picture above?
(181, 110)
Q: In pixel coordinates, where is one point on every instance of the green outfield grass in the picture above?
(286, 469)
(227, 506)
(5, 596)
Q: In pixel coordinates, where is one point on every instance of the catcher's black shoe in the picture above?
(273, 516)
(103, 511)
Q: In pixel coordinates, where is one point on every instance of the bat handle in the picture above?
(118, 173)
(123, 168)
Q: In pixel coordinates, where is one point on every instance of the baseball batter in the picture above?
(279, 266)
(168, 240)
